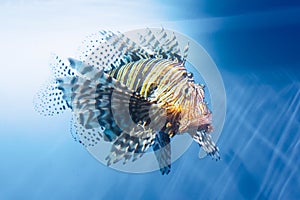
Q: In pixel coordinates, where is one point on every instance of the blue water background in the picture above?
(256, 46)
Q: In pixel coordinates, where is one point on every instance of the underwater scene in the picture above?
(150, 99)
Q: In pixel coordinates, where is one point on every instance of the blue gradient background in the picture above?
(256, 46)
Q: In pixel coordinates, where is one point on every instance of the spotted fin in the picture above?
(49, 99)
(98, 52)
(87, 137)
(61, 67)
(162, 150)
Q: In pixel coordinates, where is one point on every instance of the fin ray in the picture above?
(207, 144)
(131, 145)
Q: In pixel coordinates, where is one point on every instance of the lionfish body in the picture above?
(134, 96)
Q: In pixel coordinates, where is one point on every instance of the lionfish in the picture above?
(135, 96)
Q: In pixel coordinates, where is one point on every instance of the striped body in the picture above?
(167, 83)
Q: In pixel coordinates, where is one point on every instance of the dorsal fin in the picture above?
(149, 41)
(129, 50)
(162, 45)
(107, 50)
